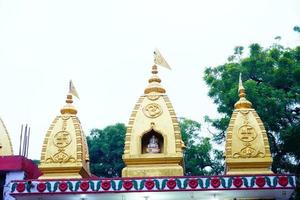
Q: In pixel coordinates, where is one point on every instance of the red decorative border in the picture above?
(150, 184)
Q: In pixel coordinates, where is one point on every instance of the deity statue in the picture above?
(153, 147)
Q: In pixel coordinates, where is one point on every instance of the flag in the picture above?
(73, 90)
(160, 60)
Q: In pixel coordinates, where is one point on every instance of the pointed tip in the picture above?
(241, 87)
(243, 102)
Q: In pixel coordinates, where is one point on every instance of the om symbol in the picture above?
(152, 110)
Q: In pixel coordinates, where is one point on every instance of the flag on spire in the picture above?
(160, 60)
(73, 90)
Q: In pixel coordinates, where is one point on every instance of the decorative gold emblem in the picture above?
(152, 110)
(60, 157)
(62, 139)
(152, 97)
(248, 152)
(247, 133)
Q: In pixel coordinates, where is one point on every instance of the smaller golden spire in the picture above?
(242, 102)
(154, 83)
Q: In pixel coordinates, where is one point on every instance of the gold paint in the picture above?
(247, 147)
(6, 148)
(153, 114)
(65, 152)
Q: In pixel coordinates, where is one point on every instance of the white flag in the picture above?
(160, 60)
(73, 90)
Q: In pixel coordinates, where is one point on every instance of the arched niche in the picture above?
(146, 140)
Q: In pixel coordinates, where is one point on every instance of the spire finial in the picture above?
(241, 87)
(154, 82)
(69, 108)
(242, 102)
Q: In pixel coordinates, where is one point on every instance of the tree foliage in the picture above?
(106, 149)
(272, 80)
(199, 157)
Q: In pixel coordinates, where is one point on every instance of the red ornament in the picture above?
(237, 182)
(41, 187)
(215, 182)
(105, 185)
(260, 181)
(193, 183)
(84, 185)
(127, 185)
(171, 183)
(283, 180)
(149, 184)
(63, 186)
(20, 187)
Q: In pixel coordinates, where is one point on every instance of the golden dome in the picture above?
(5, 142)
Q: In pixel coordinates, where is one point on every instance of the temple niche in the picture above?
(153, 144)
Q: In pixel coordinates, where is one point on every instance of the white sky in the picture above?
(106, 48)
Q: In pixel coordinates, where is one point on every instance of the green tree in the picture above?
(272, 80)
(106, 149)
(199, 156)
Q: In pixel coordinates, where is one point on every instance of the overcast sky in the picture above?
(106, 47)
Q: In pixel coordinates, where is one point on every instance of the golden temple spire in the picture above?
(65, 151)
(242, 102)
(153, 143)
(6, 148)
(247, 149)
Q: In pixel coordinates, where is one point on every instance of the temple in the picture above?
(65, 152)
(153, 144)
(247, 146)
(153, 155)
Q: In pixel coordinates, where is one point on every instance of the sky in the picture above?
(106, 48)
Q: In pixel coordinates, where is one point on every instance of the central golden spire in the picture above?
(153, 144)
